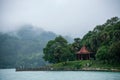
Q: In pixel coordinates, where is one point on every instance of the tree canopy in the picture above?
(103, 41)
(57, 50)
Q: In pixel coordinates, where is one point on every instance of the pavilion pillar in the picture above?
(89, 56)
(81, 57)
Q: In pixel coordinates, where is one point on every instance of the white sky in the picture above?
(66, 17)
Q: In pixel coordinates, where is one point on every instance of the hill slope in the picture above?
(24, 47)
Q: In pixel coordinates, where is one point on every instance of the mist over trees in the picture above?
(24, 47)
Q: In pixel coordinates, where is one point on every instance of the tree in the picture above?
(114, 52)
(112, 21)
(102, 53)
(76, 45)
(57, 51)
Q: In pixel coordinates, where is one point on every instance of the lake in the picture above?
(11, 74)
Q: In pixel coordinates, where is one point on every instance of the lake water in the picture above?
(11, 74)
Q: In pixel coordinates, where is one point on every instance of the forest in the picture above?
(103, 41)
(35, 47)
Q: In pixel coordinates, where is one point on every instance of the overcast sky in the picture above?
(66, 17)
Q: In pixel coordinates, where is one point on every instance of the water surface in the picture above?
(11, 74)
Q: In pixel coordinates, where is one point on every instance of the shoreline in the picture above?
(68, 69)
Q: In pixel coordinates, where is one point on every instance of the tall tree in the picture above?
(76, 44)
(114, 53)
(57, 51)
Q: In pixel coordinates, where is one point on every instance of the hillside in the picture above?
(103, 42)
(24, 47)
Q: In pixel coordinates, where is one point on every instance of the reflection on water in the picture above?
(10, 74)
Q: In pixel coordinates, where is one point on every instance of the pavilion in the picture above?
(83, 54)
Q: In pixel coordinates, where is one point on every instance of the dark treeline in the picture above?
(103, 41)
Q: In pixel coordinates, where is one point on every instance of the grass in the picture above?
(85, 64)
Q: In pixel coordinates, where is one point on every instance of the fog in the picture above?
(65, 17)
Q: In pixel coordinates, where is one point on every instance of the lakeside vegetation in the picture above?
(103, 41)
(85, 64)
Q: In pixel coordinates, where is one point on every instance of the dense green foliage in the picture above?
(103, 41)
(102, 53)
(114, 52)
(57, 50)
(76, 45)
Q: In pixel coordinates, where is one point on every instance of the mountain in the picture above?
(24, 47)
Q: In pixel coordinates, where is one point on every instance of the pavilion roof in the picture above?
(83, 50)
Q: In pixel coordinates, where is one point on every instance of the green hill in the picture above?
(103, 41)
(24, 47)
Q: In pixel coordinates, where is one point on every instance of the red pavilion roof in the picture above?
(83, 50)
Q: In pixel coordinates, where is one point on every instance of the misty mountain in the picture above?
(24, 47)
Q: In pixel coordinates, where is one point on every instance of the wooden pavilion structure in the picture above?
(83, 54)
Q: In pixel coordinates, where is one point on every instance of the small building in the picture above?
(83, 54)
